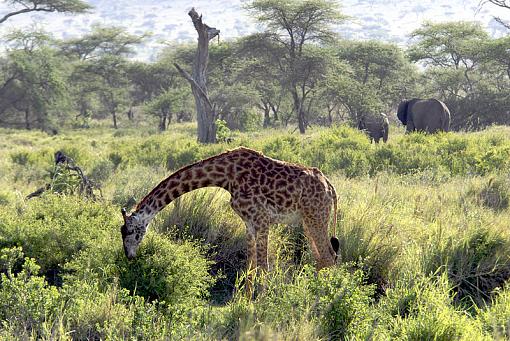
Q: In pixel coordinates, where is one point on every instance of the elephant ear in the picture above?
(402, 111)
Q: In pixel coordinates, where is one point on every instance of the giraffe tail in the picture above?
(335, 205)
(335, 243)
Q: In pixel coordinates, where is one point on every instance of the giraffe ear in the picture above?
(123, 211)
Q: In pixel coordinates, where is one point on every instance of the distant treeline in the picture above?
(302, 77)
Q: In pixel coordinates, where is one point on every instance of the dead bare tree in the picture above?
(206, 111)
(80, 181)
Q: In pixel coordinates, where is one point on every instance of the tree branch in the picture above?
(193, 83)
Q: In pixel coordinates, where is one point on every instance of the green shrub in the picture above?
(131, 185)
(342, 149)
(337, 300)
(26, 300)
(164, 271)
(116, 159)
(21, 158)
(4, 198)
(476, 261)
(342, 302)
(205, 217)
(286, 148)
(223, 132)
(494, 194)
(422, 309)
(373, 250)
(53, 229)
(101, 171)
(94, 313)
(183, 156)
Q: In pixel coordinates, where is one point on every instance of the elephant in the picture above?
(428, 115)
(376, 126)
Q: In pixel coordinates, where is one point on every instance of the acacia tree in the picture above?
(466, 69)
(63, 6)
(292, 25)
(382, 76)
(500, 3)
(259, 75)
(101, 67)
(164, 105)
(32, 81)
(206, 112)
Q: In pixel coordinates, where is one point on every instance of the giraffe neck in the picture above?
(215, 171)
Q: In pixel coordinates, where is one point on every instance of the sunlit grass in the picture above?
(422, 220)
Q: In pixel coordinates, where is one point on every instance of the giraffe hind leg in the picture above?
(262, 241)
(251, 261)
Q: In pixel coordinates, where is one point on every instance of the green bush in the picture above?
(223, 132)
(101, 171)
(205, 217)
(26, 300)
(131, 185)
(95, 313)
(52, 229)
(21, 158)
(337, 300)
(174, 275)
(343, 302)
(342, 149)
(423, 309)
(476, 261)
(494, 194)
(285, 148)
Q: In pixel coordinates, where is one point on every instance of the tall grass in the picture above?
(423, 225)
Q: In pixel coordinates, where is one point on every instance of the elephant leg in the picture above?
(410, 126)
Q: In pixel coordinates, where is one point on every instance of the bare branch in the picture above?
(193, 83)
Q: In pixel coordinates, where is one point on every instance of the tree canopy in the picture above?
(63, 6)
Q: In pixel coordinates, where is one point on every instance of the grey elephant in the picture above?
(428, 115)
(376, 126)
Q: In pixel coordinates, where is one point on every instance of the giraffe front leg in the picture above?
(262, 229)
(317, 234)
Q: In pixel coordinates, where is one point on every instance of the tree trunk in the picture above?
(27, 119)
(114, 117)
(275, 112)
(162, 122)
(206, 112)
(298, 109)
(267, 118)
(130, 114)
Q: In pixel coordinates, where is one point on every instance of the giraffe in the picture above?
(263, 190)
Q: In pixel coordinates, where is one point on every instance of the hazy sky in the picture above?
(168, 21)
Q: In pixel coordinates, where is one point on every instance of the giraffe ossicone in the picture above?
(264, 191)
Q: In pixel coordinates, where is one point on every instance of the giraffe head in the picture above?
(132, 231)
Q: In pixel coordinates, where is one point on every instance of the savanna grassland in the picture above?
(423, 221)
